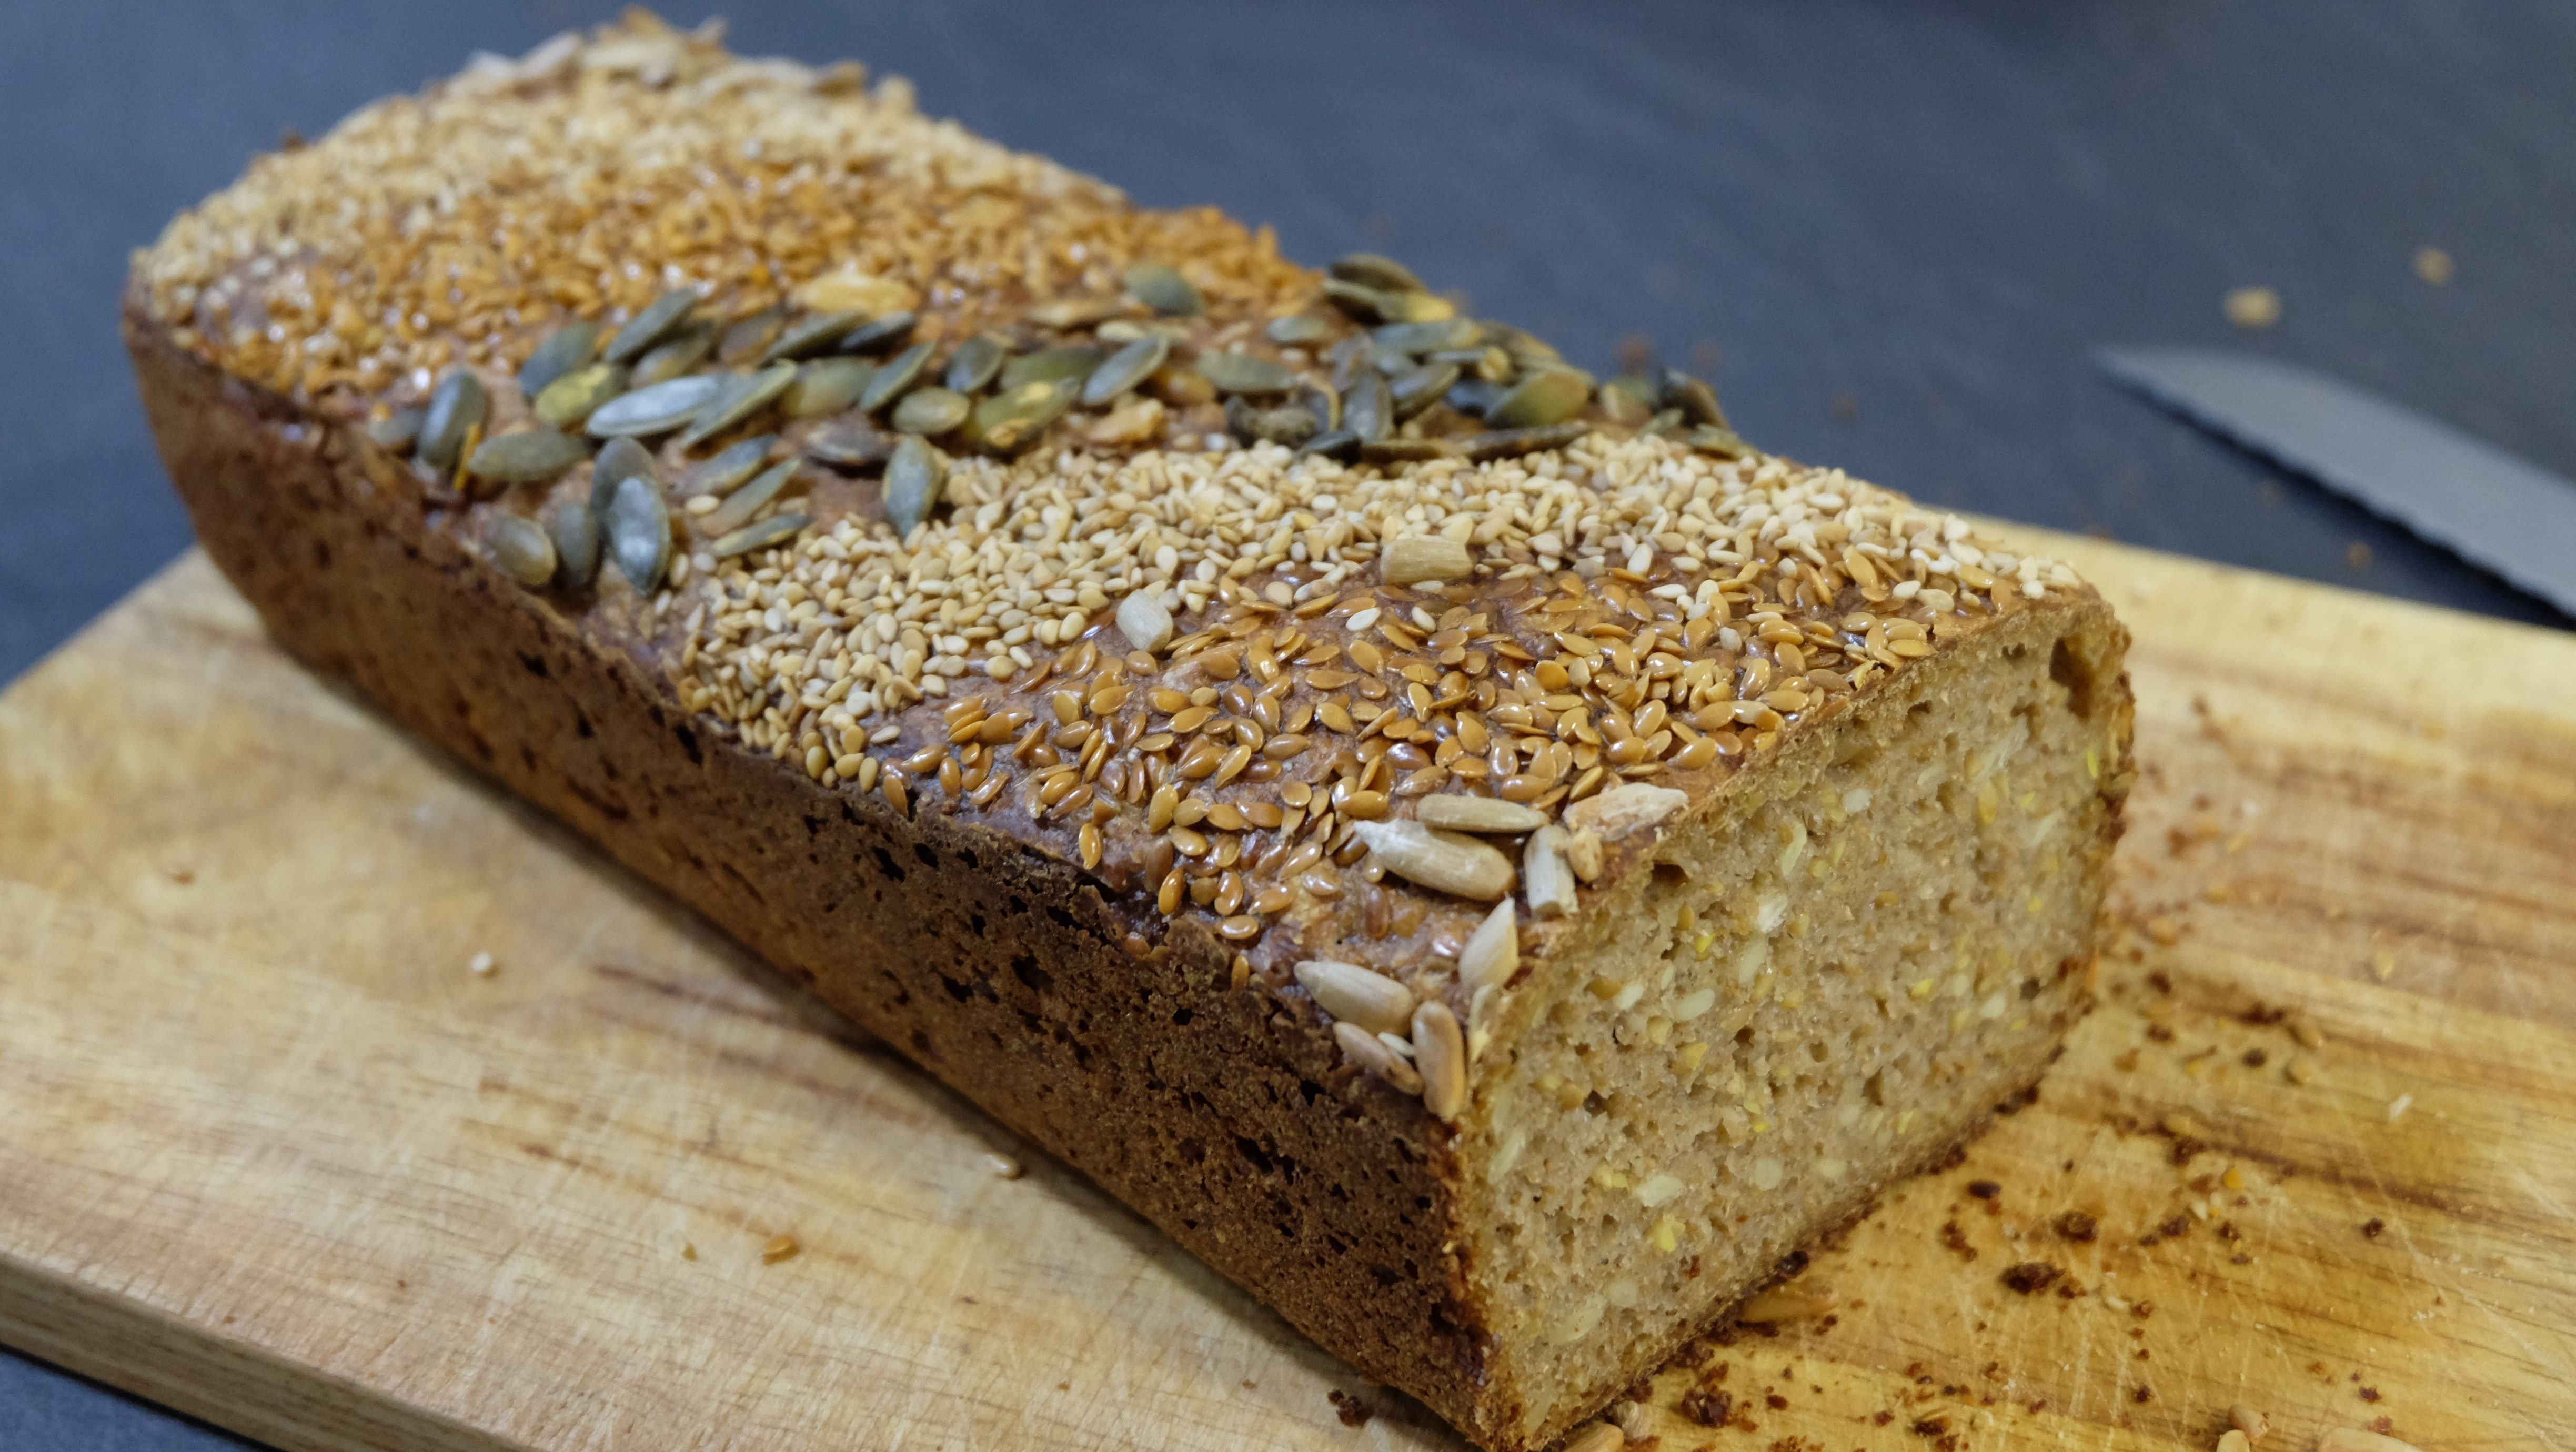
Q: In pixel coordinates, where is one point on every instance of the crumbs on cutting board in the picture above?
(780, 1247)
(482, 965)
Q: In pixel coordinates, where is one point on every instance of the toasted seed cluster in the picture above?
(1296, 605)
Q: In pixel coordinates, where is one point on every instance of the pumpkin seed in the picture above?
(1693, 396)
(1368, 269)
(827, 385)
(1665, 421)
(877, 335)
(1547, 396)
(683, 350)
(1297, 329)
(656, 410)
(1418, 388)
(565, 349)
(1511, 443)
(1076, 312)
(1125, 369)
(1341, 445)
(1525, 348)
(398, 430)
(814, 335)
(570, 400)
(745, 502)
(1288, 424)
(1628, 399)
(522, 550)
(574, 532)
(1011, 421)
(1416, 307)
(724, 473)
(912, 482)
(1402, 451)
(1368, 408)
(850, 441)
(623, 459)
(457, 404)
(526, 458)
(975, 362)
(1368, 304)
(896, 378)
(620, 459)
(751, 337)
(1243, 373)
(1723, 442)
(931, 411)
(648, 327)
(744, 398)
(1428, 337)
(1161, 287)
(637, 528)
(1069, 364)
(756, 536)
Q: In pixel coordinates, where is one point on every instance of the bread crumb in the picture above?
(180, 874)
(2248, 1421)
(481, 965)
(2254, 308)
(1599, 1437)
(2233, 1440)
(2434, 266)
(2400, 1105)
(688, 1250)
(780, 1247)
(1003, 1166)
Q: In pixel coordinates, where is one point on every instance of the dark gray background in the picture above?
(1889, 231)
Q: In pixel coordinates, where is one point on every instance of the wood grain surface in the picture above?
(270, 1152)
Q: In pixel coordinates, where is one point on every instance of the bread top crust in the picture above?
(1632, 620)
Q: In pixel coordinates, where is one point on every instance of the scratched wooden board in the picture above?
(274, 1155)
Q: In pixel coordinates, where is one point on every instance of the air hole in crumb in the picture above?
(2069, 670)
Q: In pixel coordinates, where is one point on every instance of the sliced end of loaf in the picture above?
(1819, 981)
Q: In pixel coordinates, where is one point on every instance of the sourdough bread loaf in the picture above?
(1481, 855)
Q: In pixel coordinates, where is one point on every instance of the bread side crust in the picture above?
(1224, 1115)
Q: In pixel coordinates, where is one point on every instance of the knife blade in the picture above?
(2470, 497)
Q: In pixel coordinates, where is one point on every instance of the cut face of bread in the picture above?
(1815, 982)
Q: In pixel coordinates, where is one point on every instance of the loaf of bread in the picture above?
(1484, 857)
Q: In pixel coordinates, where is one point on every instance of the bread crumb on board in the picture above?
(2434, 266)
(780, 1247)
(482, 965)
(1004, 1166)
(2253, 308)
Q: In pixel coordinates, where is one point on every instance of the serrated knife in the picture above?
(2476, 500)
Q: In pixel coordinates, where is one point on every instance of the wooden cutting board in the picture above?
(273, 1155)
